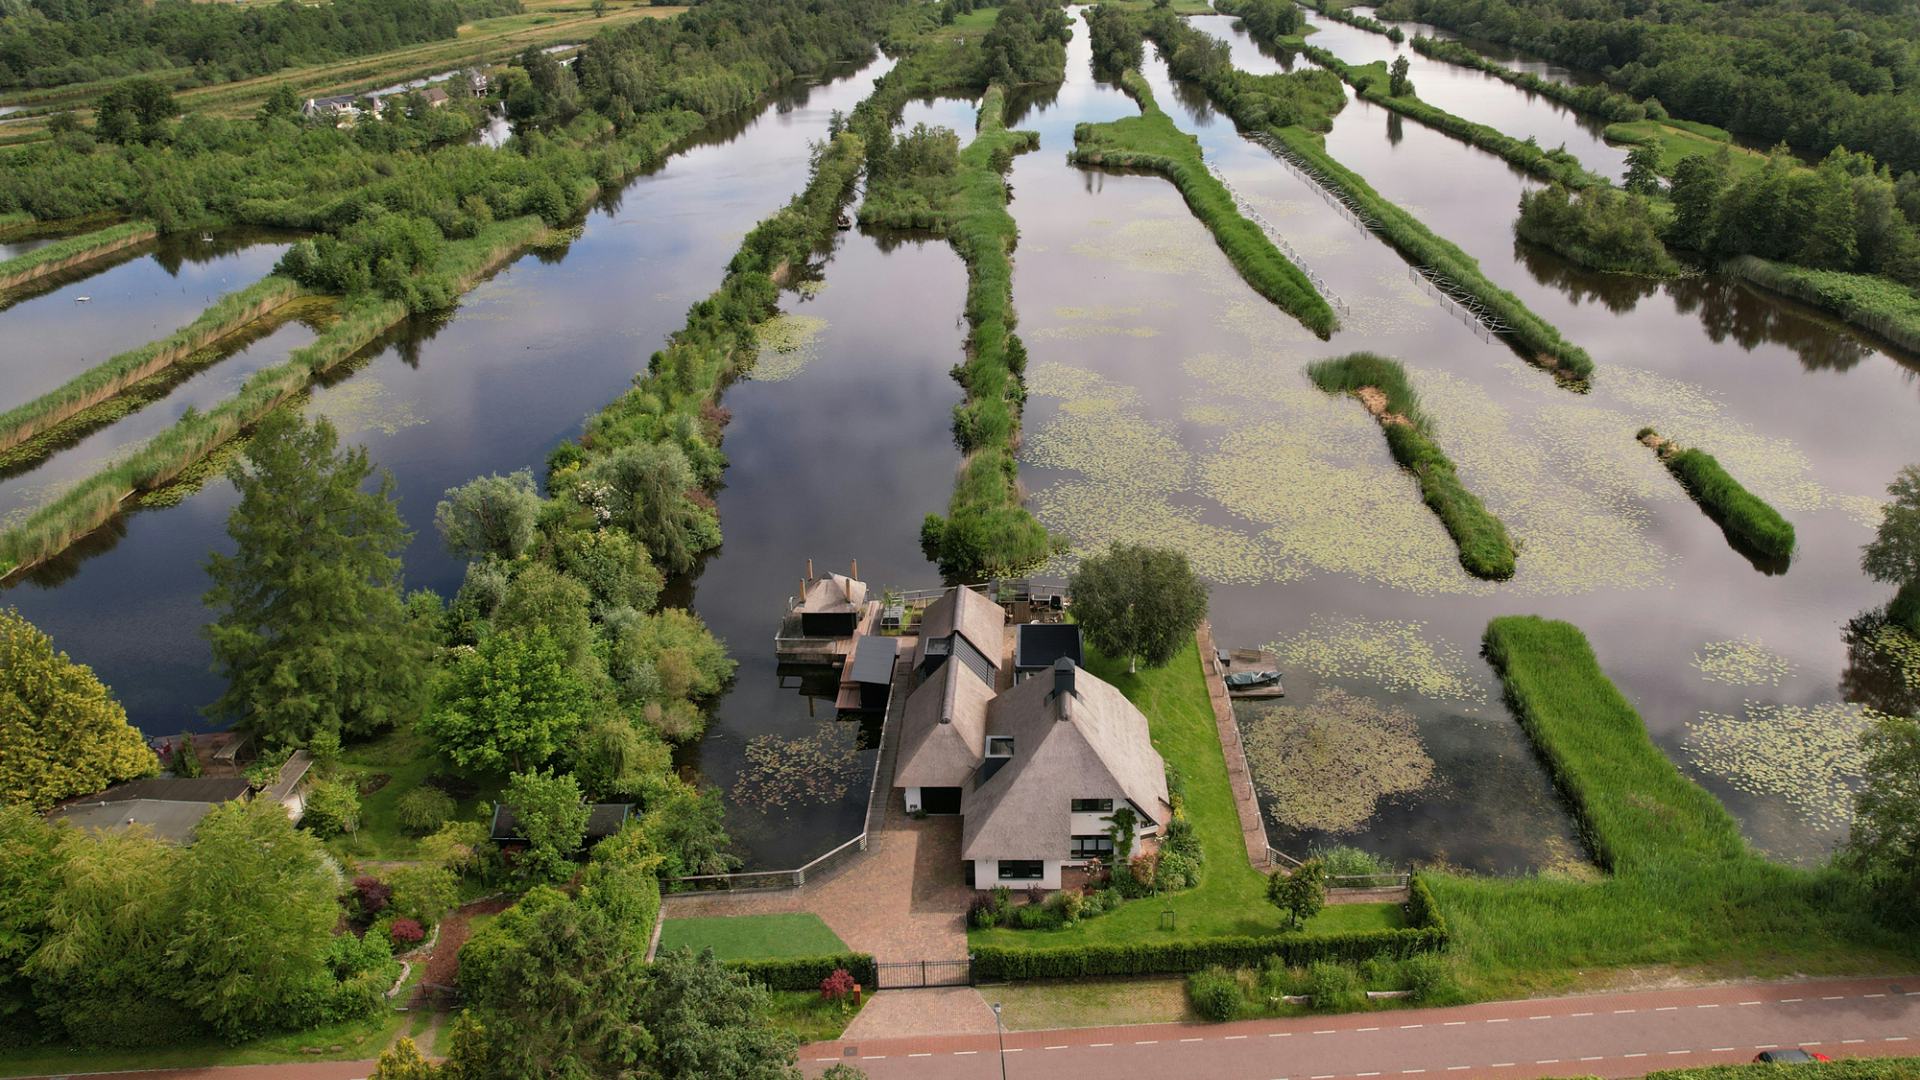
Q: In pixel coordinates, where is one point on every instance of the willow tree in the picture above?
(312, 634)
(61, 731)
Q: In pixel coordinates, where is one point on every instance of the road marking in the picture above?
(1410, 1027)
(1809, 1044)
(1679, 1052)
(1548, 1061)
(1367, 1074)
(1834, 997)
(1873, 995)
(1706, 1006)
(923, 1053)
(1896, 1038)
(1790, 1001)
(1583, 1014)
(1751, 1003)
(1060, 1047)
(1539, 1017)
(1458, 1068)
(1623, 1012)
(1641, 1054)
(1145, 1042)
(1012, 1050)
(1099, 1044)
(1230, 1038)
(1367, 1029)
(1845, 1042)
(1501, 1065)
(1411, 1072)
(1667, 1008)
(1499, 1019)
(1595, 1057)
(964, 1053)
(1325, 1031)
(1279, 1034)
(874, 1057)
(1189, 1040)
(1722, 1050)
(1454, 1023)
(1768, 1046)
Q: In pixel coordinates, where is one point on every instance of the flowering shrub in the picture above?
(837, 986)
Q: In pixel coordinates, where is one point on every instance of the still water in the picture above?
(1167, 403)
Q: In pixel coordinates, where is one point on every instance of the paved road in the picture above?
(1602, 1035)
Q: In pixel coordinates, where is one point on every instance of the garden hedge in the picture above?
(1427, 934)
(806, 972)
(1906, 1068)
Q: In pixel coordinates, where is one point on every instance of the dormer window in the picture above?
(999, 746)
(1093, 806)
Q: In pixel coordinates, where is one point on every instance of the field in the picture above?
(753, 937)
(1680, 139)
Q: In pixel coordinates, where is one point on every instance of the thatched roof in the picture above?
(966, 613)
(944, 732)
(834, 594)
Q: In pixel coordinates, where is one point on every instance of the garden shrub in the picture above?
(333, 808)
(405, 933)
(423, 810)
(370, 896)
(1335, 987)
(1430, 977)
(1216, 994)
(422, 893)
(1159, 957)
(837, 986)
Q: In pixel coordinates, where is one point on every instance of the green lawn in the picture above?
(1231, 896)
(1677, 142)
(406, 760)
(808, 1017)
(339, 1042)
(753, 937)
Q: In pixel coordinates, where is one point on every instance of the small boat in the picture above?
(1254, 684)
(843, 222)
(81, 299)
(206, 238)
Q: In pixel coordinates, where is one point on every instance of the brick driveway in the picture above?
(904, 898)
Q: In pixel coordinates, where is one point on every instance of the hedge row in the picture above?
(807, 972)
(1906, 1068)
(997, 962)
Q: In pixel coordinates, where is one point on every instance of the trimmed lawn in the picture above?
(1677, 143)
(753, 937)
(1042, 1004)
(1231, 897)
(406, 760)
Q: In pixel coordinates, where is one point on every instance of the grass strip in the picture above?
(1905, 1068)
(110, 377)
(1372, 82)
(1381, 384)
(168, 455)
(1746, 518)
(1341, 14)
(1685, 891)
(1868, 301)
(1151, 142)
(73, 251)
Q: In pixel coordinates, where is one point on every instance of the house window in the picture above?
(1092, 847)
(1093, 806)
(999, 746)
(1022, 869)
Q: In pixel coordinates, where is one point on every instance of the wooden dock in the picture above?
(1253, 829)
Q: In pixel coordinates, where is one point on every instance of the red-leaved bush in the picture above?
(405, 932)
(371, 895)
(837, 985)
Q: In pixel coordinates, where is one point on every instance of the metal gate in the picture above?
(916, 974)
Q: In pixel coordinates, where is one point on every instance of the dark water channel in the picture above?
(51, 335)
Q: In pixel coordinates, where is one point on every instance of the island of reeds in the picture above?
(1746, 518)
(1381, 385)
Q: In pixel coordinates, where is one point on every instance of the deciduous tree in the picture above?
(512, 703)
(61, 731)
(1139, 602)
(553, 820)
(1301, 894)
(1885, 843)
(489, 515)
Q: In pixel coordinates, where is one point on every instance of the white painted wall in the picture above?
(986, 875)
(913, 800)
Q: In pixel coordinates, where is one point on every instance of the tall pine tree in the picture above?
(312, 635)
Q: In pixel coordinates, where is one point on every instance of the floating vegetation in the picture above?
(1394, 655)
(1742, 662)
(1261, 323)
(787, 344)
(364, 403)
(1099, 312)
(1155, 245)
(1400, 306)
(1211, 415)
(1095, 515)
(811, 287)
(1083, 331)
(817, 768)
(1807, 755)
(1099, 433)
(1773, 468)
(1327, 765)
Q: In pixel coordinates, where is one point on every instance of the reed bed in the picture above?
(1372, 81)
(1152, 143)
(113, 376)
(1607, 104)
(1486, 549)
(1747, 518)
(167, 456)
(1870, 302)
(1533, 337)
(74, 251)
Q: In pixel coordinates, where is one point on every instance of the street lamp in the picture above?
(1001, 1033)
